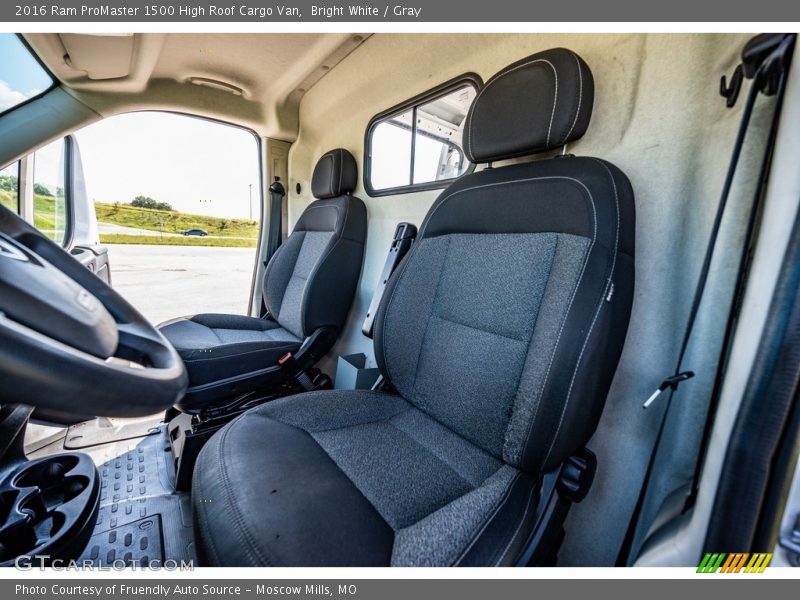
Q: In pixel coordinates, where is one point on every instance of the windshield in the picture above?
(21, 75)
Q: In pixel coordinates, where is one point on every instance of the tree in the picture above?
(148, 202)
(41, 190)
(8, 183)
(223, 225)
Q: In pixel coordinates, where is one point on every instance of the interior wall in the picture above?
(659, 117)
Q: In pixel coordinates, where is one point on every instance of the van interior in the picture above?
(479, 257)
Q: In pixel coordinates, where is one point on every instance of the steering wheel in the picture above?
(71, 343)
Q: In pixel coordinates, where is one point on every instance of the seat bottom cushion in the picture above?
(354, 478)
(214, 346)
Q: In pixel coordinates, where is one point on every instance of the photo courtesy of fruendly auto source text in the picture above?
(307, 300)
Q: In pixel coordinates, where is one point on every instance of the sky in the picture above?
(197, 166)
(21, 76)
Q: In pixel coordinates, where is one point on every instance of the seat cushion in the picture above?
(215, 347)
(354, 478)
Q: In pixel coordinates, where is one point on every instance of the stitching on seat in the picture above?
(439, 456)
(268, 273)
(564, 319)
(429, 218)
(517, 395)
(519, 527)
(459, 323)
(500, 76)
(204, 529)
(400, 275)
(447, 199)
(580, 98)
(596, 314)
(332, 245)
(341, 168)
(500, 503)
(430, 316)
(249, 546)
(434, 454)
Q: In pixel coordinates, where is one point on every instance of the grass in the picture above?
(170, 221)
(232, 233)
(169, 240)
(8, 199)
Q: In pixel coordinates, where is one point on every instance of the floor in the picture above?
(165, 282)
(141, 520)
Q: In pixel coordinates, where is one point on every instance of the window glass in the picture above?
(391, 152)
(21, 75)
(438, 154)
(49, 198)
(9, 187)
(427, 135)
(178, 205)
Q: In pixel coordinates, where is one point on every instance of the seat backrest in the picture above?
(311, 279)
(506, 320)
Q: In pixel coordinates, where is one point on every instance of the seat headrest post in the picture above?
(536, 104)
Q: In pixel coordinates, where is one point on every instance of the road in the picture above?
(124, 230)
(164, 282)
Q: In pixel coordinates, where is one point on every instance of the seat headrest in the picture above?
(536, 104)
(336, 174)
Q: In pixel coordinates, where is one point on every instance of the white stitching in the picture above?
(421, 236)
(500, 503)
(580, 98)
(341, 168)
(561, 328)
(501, 75)
(519, 526)
(331, 247)
(594, 319)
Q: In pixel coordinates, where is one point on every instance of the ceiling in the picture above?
(255, 80)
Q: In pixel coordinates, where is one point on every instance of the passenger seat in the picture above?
(308, 288)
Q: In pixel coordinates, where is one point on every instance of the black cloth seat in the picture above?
(308, 285)
(499, 333)
(216, 346)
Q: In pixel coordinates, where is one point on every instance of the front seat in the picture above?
(499, 335)
(308, 288)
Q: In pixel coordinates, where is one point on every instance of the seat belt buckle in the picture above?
(669, 383)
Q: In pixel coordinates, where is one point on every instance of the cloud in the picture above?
(9, 97)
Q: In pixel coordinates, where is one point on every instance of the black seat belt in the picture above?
(276, 195)
(764, 59)
(275, 231)
(403, 237)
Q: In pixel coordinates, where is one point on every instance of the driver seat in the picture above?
(499, 335)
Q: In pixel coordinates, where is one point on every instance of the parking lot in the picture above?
(164, 282)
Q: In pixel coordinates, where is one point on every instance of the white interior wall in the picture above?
(659, 117)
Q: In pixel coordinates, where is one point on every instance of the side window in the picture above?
(417, 145)
(49, 194)
(9, 187)
(178, 205)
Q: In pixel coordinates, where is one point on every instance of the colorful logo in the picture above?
(741, 562)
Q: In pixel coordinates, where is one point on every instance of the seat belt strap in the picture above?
(403, 238)
(276, 195)
(763, 80)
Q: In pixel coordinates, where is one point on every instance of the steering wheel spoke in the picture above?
(67, 339)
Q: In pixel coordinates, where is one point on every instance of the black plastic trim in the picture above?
(440, 90)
